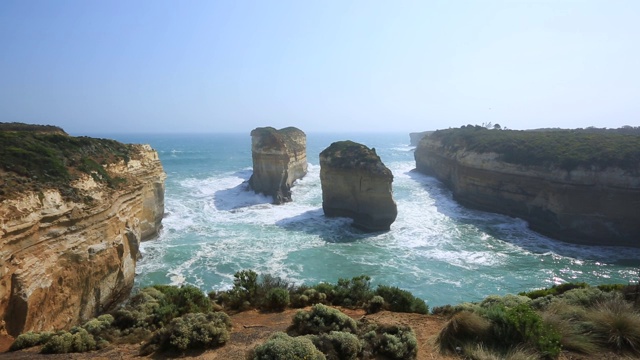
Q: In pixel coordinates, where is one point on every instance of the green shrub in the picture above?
(99, 325)
(337, 345)
(586, 297)
(354, 292)
(463, 328)
(191, 331)
(522, 325)
(156, 306)
(244, 293)
(178, 301)
(277, 299)
(30, 339)
(322, 319)
(508, 301)
(392, 342)
(554, 290)
(401, 300)
(281, 346)
(375, 304)
(76, 340)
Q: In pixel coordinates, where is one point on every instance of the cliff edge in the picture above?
(356, 184)
(279, 159)
(577, 186)
(73, 211)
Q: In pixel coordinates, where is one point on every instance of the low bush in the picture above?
(401, 300)
(191, 331)
(337, 345)
(375, 304)
(522, 325)
(30, 339)
(322, 319)
(391, 342)
(282, 346)
(554, 290)
(354, 292)
(76, 340)
(277, 299)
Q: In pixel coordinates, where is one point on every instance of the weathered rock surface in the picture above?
(279, 159)
(62, 261)
(415, 137)
(584, 206)
(356, 184)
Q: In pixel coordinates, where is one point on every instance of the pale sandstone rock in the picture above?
(356, 184)
(62, 262)
(585, 206)
(279, 159)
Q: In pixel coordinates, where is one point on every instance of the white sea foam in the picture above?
(437, 249)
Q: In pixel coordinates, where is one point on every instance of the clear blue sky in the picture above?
(220, 66)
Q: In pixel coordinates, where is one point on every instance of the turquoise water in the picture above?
(438, 250)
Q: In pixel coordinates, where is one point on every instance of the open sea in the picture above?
(440, 251)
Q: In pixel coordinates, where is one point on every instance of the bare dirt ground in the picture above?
(252, 328)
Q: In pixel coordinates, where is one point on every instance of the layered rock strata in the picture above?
(64, 259)
(356, 184)
(279, 159)
(584, 205)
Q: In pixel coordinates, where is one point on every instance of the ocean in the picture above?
(440, 251)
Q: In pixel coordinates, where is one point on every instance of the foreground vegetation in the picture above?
(540, 324)
(176, 319)
(567, 149)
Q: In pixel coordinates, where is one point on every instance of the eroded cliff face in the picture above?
(279, 159)
(356, 184)
(62, 261)
(584, 206)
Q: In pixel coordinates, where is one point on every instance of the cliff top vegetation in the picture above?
(352, 155)
(567, 149)
(33, 157)
(272, 138)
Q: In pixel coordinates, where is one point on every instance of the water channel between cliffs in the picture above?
(440, 251)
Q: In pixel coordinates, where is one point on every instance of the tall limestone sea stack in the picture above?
(579, 186)
(279, 159)
(73, 211)
(356, 184)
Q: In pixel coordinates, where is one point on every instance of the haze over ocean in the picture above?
(437, 249)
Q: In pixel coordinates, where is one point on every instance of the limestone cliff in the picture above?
(356, 184)
(69, 238)
(279, 159)
(594, 205)
(415, 137)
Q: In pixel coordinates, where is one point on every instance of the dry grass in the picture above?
(462, 329)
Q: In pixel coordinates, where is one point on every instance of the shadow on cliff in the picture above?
(515, 231)
(333, 230)
(238, 197)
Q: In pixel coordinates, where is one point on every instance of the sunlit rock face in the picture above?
(64, 259)
(584, 205)
(356, 184)
(279, 159)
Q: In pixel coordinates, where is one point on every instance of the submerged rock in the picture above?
(356, 184)
(279, 159)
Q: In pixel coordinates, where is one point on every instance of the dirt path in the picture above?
(251, 328)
